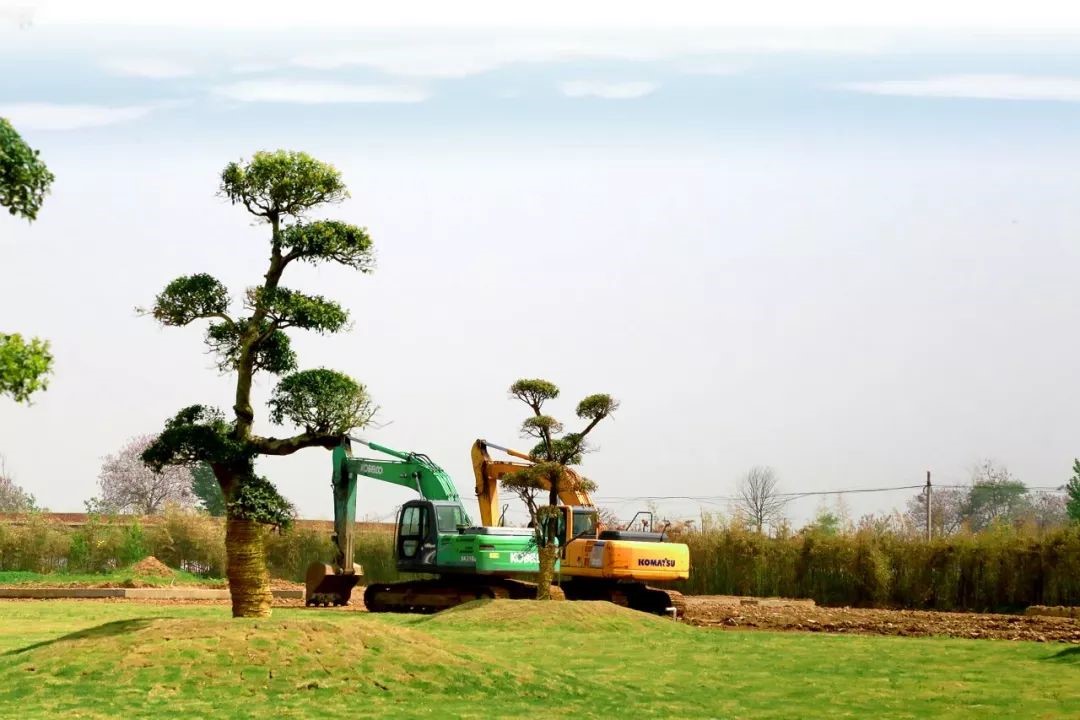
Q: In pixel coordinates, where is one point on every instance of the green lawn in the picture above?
(117, 578)
(499, 660)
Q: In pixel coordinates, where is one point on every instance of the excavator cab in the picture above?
(577, 522)
(417, 538)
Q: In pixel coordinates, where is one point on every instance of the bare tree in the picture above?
(13, 499)
(127, 485)
(946, 511)
(759, 497)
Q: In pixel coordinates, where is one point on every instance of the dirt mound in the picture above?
(793, 615)
(152, 566)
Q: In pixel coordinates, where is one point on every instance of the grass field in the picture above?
(119, 578)
(498, 660)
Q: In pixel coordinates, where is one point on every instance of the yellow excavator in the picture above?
(596, 563)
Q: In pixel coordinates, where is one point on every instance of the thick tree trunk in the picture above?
(548, 554)
(249, 582)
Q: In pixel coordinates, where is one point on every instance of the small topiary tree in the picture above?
(554, 452)
(278, 188)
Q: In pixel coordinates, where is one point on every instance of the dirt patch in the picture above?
(153, 567)
(774, 614)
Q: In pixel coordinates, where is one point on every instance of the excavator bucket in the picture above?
(325, 587)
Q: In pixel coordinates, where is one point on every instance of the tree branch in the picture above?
(287, 446)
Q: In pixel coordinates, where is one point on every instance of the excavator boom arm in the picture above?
(488, 472)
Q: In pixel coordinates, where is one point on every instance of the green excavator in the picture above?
(434, 536)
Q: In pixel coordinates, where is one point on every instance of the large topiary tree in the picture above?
(278, 188)
(554, 453)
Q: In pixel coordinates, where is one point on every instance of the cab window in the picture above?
(450, 517)
(584, 524)
(410, 521)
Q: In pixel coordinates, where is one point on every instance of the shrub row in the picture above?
(189, 541)
(998, 569)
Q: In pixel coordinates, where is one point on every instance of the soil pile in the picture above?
(153, 567)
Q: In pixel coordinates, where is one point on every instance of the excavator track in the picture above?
(633, 595)
(431, 596)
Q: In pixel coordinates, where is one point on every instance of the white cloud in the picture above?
(53, 116)
(985, 87)
(417, 56)
(607, 91)
(154, 68)
(248, 68)
(711, 67)
(312, 92)
(249, 14)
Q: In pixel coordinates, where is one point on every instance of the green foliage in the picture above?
(534, 392)
(329, 240)
(540, 426)
(1072, 491)
(255, 498)
(133, 546)
(24, 179)
(272, 352)
(567, 450)
(283, 182)
(289, 308)
(24, 366)
(198, 434)
(994, 500)
(1000, 569)
(597, 407)
(190, 298)
(321, 401)
(205, 486)
(826, 522)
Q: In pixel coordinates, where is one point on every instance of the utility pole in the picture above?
(929, 491)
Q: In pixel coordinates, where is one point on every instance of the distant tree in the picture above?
(206, 488)
(127, 485)
(825, 522)
(554, 453)
(24, 366)
(24, 179)
(946, 511)
(13, 499)
(278, 189)
(1072, 493)
(1045, 510)
(995, 496)
(609, 518)
(759, 497)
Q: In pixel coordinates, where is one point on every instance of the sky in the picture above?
(841, 242)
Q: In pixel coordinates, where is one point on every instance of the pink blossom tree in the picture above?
(127, 485)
